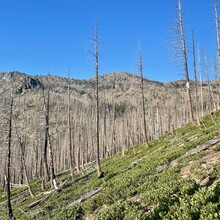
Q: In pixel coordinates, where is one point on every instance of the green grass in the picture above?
(137, 192)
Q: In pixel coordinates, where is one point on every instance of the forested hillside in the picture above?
(177, 177)
(121, 123)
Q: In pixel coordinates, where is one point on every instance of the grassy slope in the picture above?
(138, 191)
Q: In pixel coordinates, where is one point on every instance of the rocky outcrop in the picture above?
(29, 83)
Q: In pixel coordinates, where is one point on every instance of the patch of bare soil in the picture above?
(200, 170)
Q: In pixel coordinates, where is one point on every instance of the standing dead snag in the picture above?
(45, 176)
(47, 138)
(185, 60)
(218, 42)
(96, 56)
(100, 173)
(201, 87)
(211, 96)
(113, 150)
(142, 93)
(8, 176)
(22, 141)
(195, 76)
(70, 129)
(183, 54)
(23, 163)
(217, 32)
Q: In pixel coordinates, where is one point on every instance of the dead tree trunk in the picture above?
(52, 171)
(70, 129)
(216, 82)
(96, 56)
(113, 150)
(218, 42)
(8, 176)
(104, 153)
(22, 149)
(78, 153)
(47, 139)
(217, 32)
(142, 94)
(22, 144)
(184, 54)
(201, 87)
(46, 176)
(195, 75)
(211, 96)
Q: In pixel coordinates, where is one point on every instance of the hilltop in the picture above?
(177, 177)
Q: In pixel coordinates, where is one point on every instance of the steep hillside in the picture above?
(121, 116)
(177, 177)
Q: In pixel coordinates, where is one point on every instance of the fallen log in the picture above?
(64, 185)
(196, 150)
(85, 196)
(35, 203)
(14, 185)
(41, 201)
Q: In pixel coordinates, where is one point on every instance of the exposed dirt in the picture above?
(201, 170)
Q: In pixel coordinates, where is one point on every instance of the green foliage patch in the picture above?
(132, 188)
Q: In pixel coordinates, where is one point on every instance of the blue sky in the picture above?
(47, 36)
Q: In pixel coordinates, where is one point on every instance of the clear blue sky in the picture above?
(41, 36)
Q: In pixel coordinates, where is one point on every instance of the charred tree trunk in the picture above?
(47, 139)
(46, 176)
(22, 149)
(142, 94)
(217, 32)
(113, 150)
(70, 129)
(96, 56)
(201, 87)
(8, 176)
(52, 171)
(195, 76)
(184, 54)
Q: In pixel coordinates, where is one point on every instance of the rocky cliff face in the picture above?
(28, 83)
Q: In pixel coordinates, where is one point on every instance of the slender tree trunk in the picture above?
(195, 75)
(181, 31)
(143, 100)
(104, 153)
(216, 81)
(36, 160)
(70, 129)
(217, 32)
(218, 43)
(78, 154)
(22, 149)
(129, 135)
(201, 87)
(96, 54)
(211, 96)
(47, 136)
(22, 144)
(8, 176)
(112, 150)
(21, 176)
(52, 172)
(45, 162)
